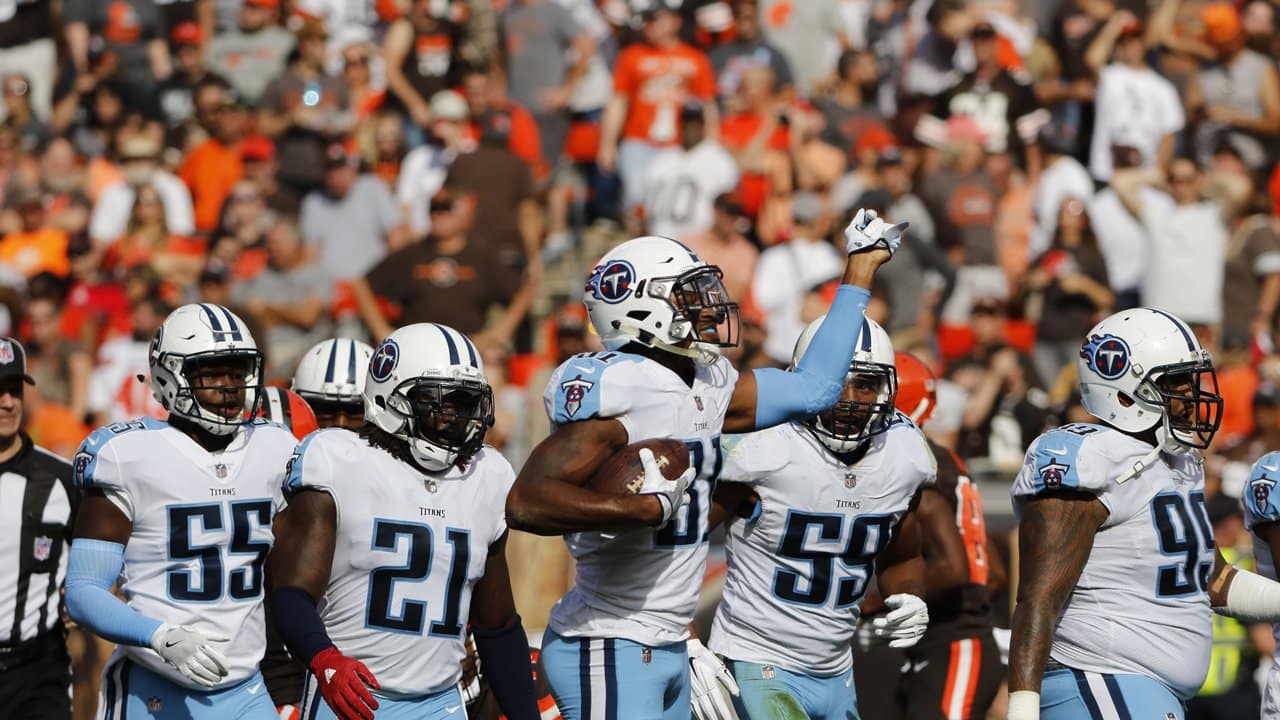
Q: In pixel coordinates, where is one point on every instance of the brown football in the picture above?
(623, 473)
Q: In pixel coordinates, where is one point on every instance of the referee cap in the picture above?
(13, 360)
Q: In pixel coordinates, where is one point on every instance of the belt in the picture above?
(41, 646)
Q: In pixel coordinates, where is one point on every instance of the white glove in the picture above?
(707, 675)
(1024, 705)
(191, 652)
(868, 231)
(905, 624)
(669, 492)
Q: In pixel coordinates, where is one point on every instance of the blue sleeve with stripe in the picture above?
(1261, 504)
(85, 464)
(1053, 463)
(293, 481)
(579, 393)
(816, 382)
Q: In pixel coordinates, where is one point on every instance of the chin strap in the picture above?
(1166, 442)
(700, 353)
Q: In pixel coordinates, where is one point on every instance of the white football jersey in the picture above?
(642, 585)
(201, 529)
(799, 566)
(410, 548)
(1262, 506)
(682, 186)
(1141, 604)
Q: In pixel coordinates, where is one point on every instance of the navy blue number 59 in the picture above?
(411, 615)
(820, 540)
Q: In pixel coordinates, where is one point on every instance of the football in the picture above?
(623, 473)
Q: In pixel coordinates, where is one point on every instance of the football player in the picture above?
(330, 377)
(1262, 517)
(955, 670)
(1118, 565)
(181, 511)
(396, 532)
(833, 500)
(617, 641)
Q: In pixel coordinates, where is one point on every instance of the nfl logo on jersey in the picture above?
(42, 548)
(220, 470)
(850, 480)
(154, 705)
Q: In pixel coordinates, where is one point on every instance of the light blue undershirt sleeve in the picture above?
(92, 569)
(815, 384)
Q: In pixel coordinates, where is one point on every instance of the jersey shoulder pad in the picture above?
(1261, 503)
(593, 385)
(97, 461)
(1071, 457)
(907, 445)
(493, 468)
(751, 458)
(314, 460)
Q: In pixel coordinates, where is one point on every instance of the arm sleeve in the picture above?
(815, 384)
(92, 569)
(299, 623)
(504, 655)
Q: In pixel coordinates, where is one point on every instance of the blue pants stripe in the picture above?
(124, 687)
(1113, 689)
(584, 674)
(1095, 713)
(111, 694)
(610, 681)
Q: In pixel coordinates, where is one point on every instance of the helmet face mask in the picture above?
(703, 312)
(865, 407)
(206, 369)
(451, 414)
(1188, 393)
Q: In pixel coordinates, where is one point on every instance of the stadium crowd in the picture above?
(341, 167)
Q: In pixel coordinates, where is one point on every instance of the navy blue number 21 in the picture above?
(1184, 537)
(412, 613)
(207, 583)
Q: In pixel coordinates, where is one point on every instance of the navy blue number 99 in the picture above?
(1183, 532)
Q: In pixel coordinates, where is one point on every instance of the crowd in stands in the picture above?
(339, 167)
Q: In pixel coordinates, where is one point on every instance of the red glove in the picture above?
(344, 684)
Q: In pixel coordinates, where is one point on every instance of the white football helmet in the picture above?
(426, 386)
(849, 423)
(657, 292)
(198, 334)
(1135, 364)
(333, 371)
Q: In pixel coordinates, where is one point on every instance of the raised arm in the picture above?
(1055, 538)
(769, 397)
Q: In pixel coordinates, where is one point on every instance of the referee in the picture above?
(36, 508)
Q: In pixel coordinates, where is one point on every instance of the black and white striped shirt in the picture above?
(37, 504)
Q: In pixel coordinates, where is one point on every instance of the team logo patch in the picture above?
(1106, 355)
(154, 704)
(79, 466)
(384, 360)
(574, 391)
(1053, 473)
(6, 352)
(612, 282)
(1261, 489)
(42, 549)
